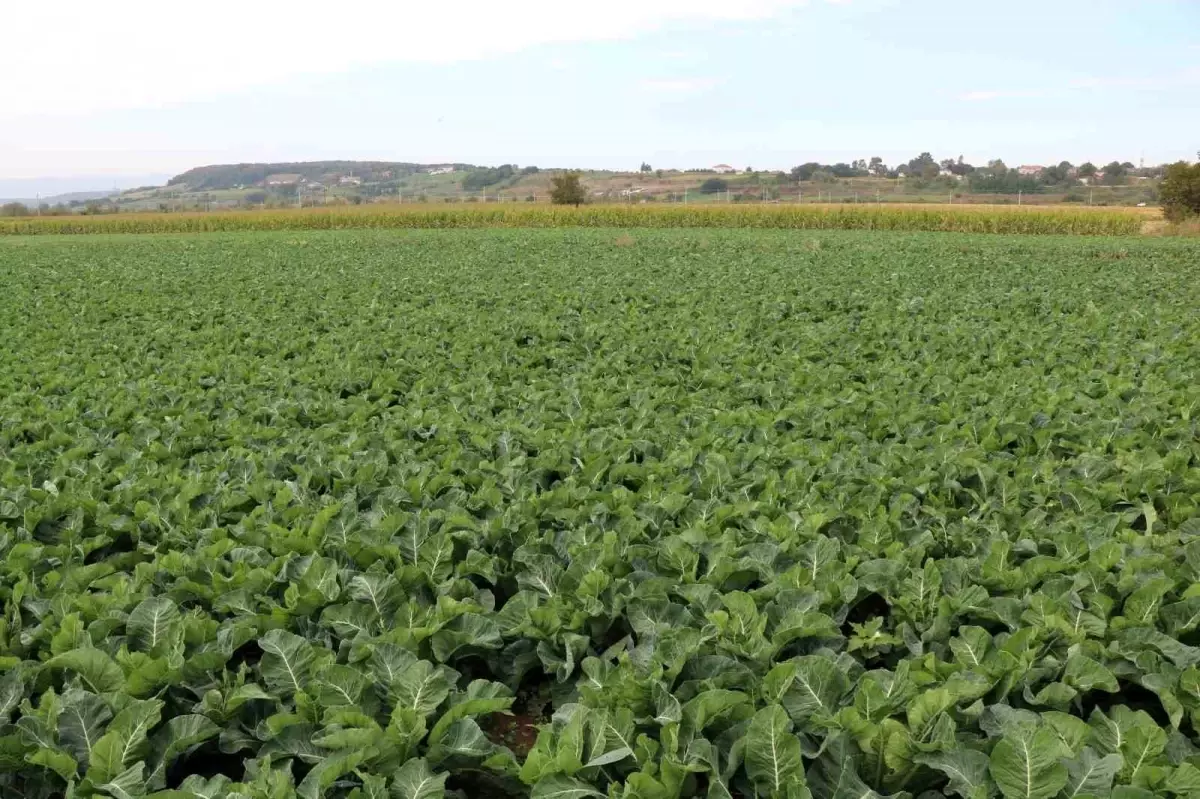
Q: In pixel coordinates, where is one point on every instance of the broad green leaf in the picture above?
(481, 698)
(1086, 674)
(971, 646)
(1026, 766)
(835, 775)
(54, 759)
(129, 784)
(462, 739)
(286, 661)
(773, 756)
(414, 780)
(180, 734)
(95, 668)
(557, 786)
(151, 622)
(323, 775)
(1091, 774)
(817, 690)
(667, 709)
(711, 705)
(1184, 780)
(124, 740)
(421, 687)
(81, 724)
(966, 769)
(338, 685)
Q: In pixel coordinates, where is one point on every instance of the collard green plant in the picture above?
(569, 514)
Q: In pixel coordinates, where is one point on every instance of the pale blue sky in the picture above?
(765, 83)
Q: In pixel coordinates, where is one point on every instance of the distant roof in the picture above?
(722, 166)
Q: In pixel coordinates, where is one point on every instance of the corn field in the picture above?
(965, 219)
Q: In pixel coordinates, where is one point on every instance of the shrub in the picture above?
(1180, 191)
(713, 186)
(567, 189)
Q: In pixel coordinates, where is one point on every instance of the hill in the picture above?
(236, 176)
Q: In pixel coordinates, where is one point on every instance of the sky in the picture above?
(130, 91)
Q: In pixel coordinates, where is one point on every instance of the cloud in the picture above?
(1184, 77)
(1003, 94)
(678, 85)
(81, 56)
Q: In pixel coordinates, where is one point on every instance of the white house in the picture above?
(350, 180)
(441, 170)
(1030, 170)
(724, 169)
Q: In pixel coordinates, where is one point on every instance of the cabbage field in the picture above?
(585, 513)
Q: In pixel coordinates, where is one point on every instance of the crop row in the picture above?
(964, 219)
(576, 514)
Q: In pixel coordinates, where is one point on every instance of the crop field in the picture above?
(639, 514)
(906, 217)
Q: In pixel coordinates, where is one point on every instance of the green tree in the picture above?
(1087, 169)
(1179, 192)
(646, 167)
(805, 171)
(566, 188)
(923, 166)
(713, 186)
(14, 209)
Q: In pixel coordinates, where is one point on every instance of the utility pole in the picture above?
(1018, 196)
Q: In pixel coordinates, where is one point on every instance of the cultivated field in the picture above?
(915, 217)
(624, 513)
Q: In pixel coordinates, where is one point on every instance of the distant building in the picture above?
(441, 170)
(724, 169)
(350, 180)
(1030, 170)
(283, 179)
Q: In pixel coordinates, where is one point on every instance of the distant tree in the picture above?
(646, 167)
(255, 198)
(877, 167)
(923, 166)
(960, 167)
(713, 186)
(566, 188)
(843, 170)
(1054, 175)
(805, 171)
(530, 170)
(749, 170)
(1114, 173)
(14, 209)
(658, 173)
(1087, 169)
(488, 176)
(1179, 191)
(823, 176)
